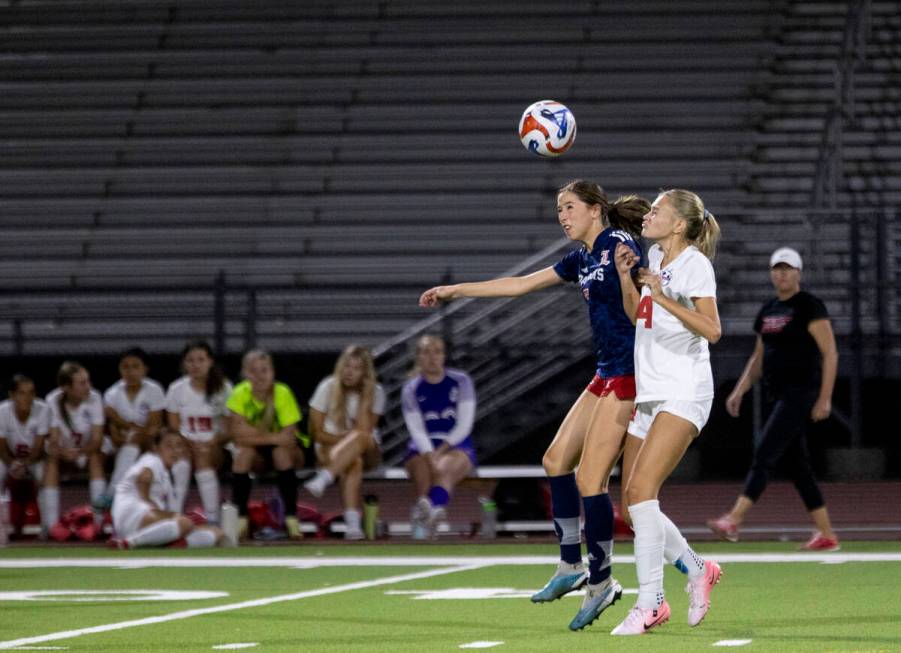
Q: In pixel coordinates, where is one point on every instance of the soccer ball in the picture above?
(547, 128)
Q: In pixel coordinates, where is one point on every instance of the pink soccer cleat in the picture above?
(699, 591)
(820, 542)
(641, 620)
(724, 527)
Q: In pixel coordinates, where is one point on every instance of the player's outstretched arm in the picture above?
(625, 259)
(503, 287)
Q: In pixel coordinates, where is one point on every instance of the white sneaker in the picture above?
(419, 517)
(437, 517)
(316, 485)
(354, 534)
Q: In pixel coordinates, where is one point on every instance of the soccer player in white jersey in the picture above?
(143, 514)
(675, 318)
(24, 429)
(344, 411)
(76, 436)
(195, 407)
(134, 412)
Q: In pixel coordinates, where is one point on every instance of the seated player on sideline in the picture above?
(142, 505)
(439, 406)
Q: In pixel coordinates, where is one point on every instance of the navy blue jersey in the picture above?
(595, 271)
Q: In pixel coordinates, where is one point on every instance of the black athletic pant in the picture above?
(785, 436)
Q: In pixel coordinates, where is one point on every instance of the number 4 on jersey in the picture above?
(645, 311)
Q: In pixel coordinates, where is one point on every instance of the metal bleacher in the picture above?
(324, 162)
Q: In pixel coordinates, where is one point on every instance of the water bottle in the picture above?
(4, 518)
(489, 518)
(371, 516)
(229, 521)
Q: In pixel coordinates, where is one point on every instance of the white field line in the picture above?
(121, 562)
(187, 614)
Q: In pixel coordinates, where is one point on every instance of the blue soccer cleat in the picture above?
(568, 578)
(597, 599)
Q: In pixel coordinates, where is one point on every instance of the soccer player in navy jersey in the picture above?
(592, 434)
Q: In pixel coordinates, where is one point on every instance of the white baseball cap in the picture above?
(788, 256)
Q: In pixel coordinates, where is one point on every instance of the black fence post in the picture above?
(250, 323)
(856, 335)
(219, 289)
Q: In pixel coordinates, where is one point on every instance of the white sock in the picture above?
(98, 491)
(201, 538)
(650, 536)
(181, 478)
(161, 532)
(208, 487)
(97, 488)
(676, 548)
(352, 520)
(49, 506)
(125, 458)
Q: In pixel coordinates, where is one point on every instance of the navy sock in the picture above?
(439, 496)
(565, 510)
(599, 536)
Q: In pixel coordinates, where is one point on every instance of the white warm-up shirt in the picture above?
(161, 492)
(87, 414)
(199, 418)
(148, 399)
(671, 362)
(20, 438)
(322, 399)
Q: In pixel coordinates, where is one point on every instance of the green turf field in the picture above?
(430, 598)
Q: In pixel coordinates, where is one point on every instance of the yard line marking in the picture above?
(237, 645)
(255, 603)
(480, 644)
(732, 642)
(116, 561)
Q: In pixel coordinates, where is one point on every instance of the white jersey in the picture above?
(322, 399)
(21, 438)
(671, 362)
(137, 410)
(161, 492)
(199, 418)
(76, 431)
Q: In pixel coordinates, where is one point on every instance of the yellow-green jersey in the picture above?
(243, 403)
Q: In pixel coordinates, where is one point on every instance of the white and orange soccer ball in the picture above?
(547, 128)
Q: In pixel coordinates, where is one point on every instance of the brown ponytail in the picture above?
(625, 213)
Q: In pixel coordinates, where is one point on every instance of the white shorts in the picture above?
(127, 516)
(36, 470)
(696, 412)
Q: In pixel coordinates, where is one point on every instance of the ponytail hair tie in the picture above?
(706, 215)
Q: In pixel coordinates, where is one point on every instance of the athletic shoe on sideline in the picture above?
(316, 486)
(292, 526)
(354, 534)
(724, 527)
(437, 516)
(597, 599)
(699, 590)
(641, 620)
(419, 517)
(568, 578)
(821, 543)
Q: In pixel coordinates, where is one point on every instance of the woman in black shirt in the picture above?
(797, 358)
